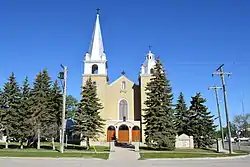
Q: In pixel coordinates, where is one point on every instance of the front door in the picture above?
(123, 134)
(110, 133)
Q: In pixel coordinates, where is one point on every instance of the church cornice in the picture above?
(94, 75)
(95, 61)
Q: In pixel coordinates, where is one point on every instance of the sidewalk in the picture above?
(124, 154)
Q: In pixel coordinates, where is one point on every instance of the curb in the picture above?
(208, 158)
(52, 158)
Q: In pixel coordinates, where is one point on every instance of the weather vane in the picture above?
(123, 72)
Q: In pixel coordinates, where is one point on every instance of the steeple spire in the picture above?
(96, 49)
(95, 61)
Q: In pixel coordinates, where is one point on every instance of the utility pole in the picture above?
(221, 73)
(216, 88)
(63, 75)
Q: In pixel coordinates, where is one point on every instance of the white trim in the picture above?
(114, 120)
(95, 61)
(118, 104)
(123, 85)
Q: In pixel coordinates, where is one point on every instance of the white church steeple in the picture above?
(148, 64)
(95, 59)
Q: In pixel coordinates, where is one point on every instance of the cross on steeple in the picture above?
(123, 72)
(149, 47)
(97, 10)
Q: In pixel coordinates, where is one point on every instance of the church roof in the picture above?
(121, 77)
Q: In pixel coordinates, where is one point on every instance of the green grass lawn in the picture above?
(54, 154)
(148, 149)
(46, 151)
(149, 153)
(183, 155)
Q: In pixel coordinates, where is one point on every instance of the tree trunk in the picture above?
(21, 144)
(7, 139)
(60, 136)
(6, 143)
(87, 143)
(66, 140)
(53, 143)
(38, 138)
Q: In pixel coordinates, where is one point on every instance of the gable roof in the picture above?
(121, 77)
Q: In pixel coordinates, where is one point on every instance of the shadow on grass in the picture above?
(124, 145)
(48, 147)
(17, 146)
(153, 149)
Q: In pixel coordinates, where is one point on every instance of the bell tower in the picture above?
(145, 76)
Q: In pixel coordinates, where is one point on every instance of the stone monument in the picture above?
(184, 141)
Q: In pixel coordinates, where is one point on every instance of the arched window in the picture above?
(123, 85)
(136, 128)
(123, 127)
(123, 110)
(94, 69)
(111, 127)
(151, 71)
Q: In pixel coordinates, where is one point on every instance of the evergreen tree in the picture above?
(2, 114)
(24, 117)
(10, 115)
(181, 115)
(159, 115)
(71, 104)
(88, 123)
(201, 123)
(40, 106)
(56, 104)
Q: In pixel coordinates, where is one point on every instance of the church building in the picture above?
(122, 99)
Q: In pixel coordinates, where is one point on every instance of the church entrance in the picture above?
(123, 134)
(111, 133)
(136, 134)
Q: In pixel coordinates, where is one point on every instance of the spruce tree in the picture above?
(88, 123)
(24, 117)
(201, 123)
(2, 114)
(159, 115)
(40, 106)
(11, 99)
(181, 115)
(56, 105)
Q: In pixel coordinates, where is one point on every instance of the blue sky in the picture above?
(191, 37)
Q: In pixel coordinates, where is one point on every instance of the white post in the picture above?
(64, 106)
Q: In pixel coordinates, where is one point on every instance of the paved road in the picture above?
(31, 162)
